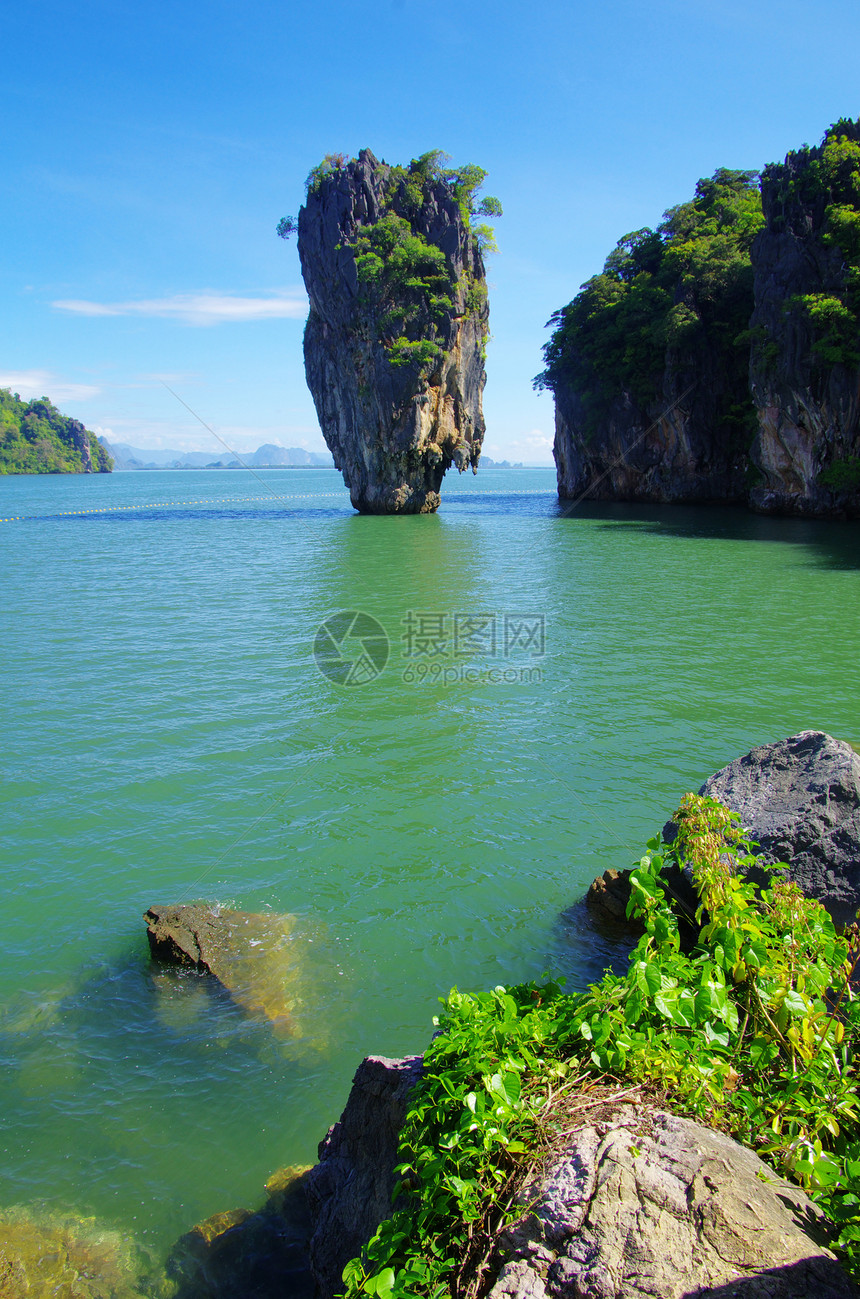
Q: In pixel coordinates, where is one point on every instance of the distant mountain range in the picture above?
(265, 457)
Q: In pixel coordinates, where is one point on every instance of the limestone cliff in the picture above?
(805, 367)
(718, 356)
(394, 344)
(671, 448)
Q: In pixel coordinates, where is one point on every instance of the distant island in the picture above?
(35, 438)
(267, 456)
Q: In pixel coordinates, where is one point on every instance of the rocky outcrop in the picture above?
(805, 367)
(628, 1202)
(799, 800)
(251, 954)
(349, 1191)
(642, 1203)
(393, 346)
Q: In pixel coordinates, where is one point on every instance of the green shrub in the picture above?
(841, 475)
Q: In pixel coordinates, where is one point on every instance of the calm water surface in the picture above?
(168, 736)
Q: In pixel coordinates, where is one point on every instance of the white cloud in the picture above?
(197, 308)
(42, 383)
(532, 448)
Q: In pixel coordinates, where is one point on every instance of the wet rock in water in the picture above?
(255, 1255)
(349, 1190)
(44, 1256)
(252, 954)
(608, 895)
(395, 339)
(640, 1203)
(799, 800)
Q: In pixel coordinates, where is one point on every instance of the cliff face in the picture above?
(673, 448)
(395, 337)
(805, 365)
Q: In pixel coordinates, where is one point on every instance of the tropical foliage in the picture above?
(826, 181)
(661, 290)
(740, 1012)
(405, 277)
(36, 439)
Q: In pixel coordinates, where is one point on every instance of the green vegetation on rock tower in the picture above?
(743, 1015)
(659, 291)
(36, 439)
(405, 278)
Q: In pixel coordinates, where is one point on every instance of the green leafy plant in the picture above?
(741, 1011)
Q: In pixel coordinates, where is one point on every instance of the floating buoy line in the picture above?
(237, 500)
(164, 505)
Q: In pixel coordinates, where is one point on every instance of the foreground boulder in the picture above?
(349, 1191)
(799, 800)
(629, 1202)
(251, 954)
(394, 343)
(643, 1203)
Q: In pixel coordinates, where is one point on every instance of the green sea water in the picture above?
(554, 683)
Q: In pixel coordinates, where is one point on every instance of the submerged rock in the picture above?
(251, 954)
(44, 1256)
(262, 1254)
(394, 343)
(643, 1203)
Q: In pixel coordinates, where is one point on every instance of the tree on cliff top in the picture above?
(429, 169)
(657, 290)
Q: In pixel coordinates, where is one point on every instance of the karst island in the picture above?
(396, 336)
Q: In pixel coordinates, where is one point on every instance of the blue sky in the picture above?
(149, 151)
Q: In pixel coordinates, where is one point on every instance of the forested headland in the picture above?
(35, 438)
(717, 357)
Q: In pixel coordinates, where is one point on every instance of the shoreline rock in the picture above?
(349, 1191)
(644, 1203)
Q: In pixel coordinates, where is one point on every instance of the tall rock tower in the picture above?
(395, 340)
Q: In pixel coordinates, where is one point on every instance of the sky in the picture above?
(149, 150)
